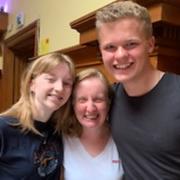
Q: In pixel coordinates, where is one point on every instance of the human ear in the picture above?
(151, 44)
(32, 85)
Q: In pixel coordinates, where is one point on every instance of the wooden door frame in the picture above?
(17, 49)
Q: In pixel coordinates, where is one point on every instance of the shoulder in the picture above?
(70, 142)
(172, 79)
(176, 77)
(6, 122)
(172, 75)
(111, 143)
(5, 131)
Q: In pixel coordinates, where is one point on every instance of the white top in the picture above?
(80, 165)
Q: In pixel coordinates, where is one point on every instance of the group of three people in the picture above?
(63, 120)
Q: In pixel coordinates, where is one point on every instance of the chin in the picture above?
(90, 125)
(54, 107)
(121, 78)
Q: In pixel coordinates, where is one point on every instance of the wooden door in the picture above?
(17, 51)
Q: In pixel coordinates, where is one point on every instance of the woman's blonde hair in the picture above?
(23, 109)
(124, 9)
(72, 127)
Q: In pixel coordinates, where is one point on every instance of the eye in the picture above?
(109, 47)
(99, 99)
(50, 79)
(81, 100)
(131, 45)
(68, 83)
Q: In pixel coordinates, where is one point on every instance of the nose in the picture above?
(120, 52)
(58, 86)
(91, 106)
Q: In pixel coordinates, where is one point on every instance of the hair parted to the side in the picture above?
(72, 127)
(124, 9)
(23, 109)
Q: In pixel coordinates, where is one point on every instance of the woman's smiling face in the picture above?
(91, 102)
(51, 90)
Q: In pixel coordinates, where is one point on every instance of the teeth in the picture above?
(122, 66)
(91, 116)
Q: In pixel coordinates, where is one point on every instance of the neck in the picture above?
(40, 115)
(94, 141)
(144, 84)
(95, 134)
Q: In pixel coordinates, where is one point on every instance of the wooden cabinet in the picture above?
(165, 17)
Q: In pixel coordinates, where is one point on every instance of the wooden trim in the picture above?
(83, 55)
(87, 64)
(84, 23)
(148, 3)
(165, 13)
(11, 42)
(88, 36)
(27, 37)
